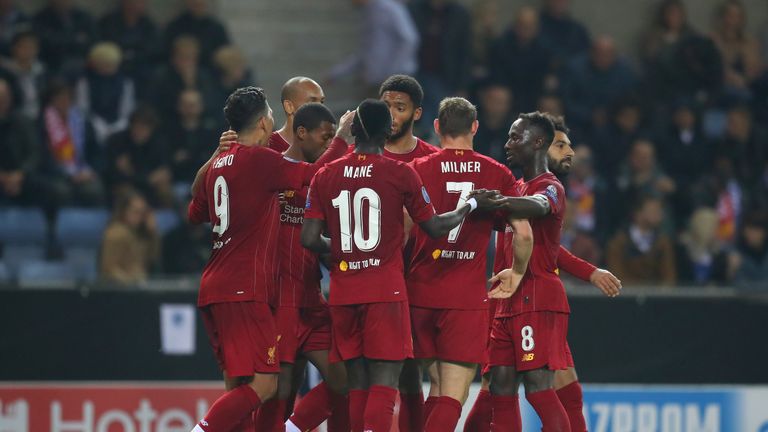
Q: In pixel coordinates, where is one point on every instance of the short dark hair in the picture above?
(23, 32)
(244, 106)
(404, 84)
(559, 123)
(543, 123)
(372, 121)
(456, 116)
(311, 116)
(144, 114)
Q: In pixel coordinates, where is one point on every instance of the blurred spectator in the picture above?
(588, 196)
(21, 181)
(73, 154)
(66, 33)
(521, 60)
(104, 93)
(670, 27)
(749, 263)
(187, 247)
(561, 34)
(445, 54)
(131, 28)
(196, 20)
(233, 73)
(495, 110)
(183, 72)
(592, 83)
(28, 72)
(131, 246)
(389, 44)
(721, 189)
(612, 142)
(192, 138)
(642, 254)
(138, 158)
(683, 151)
(550, 103)
(11, 20)
(485, 30)
(744, 144)
(701, 259)
(740, 51)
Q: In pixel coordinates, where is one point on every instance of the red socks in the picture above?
(444, 416)
(230, 409)
(270, 417)
(479, 418)
(357, 401)
(380, 408)
(313, 408)
(573, 401)
(550, 410)
(506, 414)
(429, 405)
(339, 419)
(411, 417)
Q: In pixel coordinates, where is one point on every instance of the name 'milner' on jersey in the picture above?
(449, 272)
(361, 198)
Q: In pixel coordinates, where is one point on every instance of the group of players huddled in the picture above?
(404, 228)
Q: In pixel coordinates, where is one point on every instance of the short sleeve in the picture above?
(554, 193)
(313, 208)
(416, 200)
(509, 184)
(197, 212)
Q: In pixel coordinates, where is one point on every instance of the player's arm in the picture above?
(197, 212)
(312, 236)
(604, 280)
(526, 207)
(509, 279)
(441, 224)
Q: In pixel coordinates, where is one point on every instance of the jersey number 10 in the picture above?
(351, 225)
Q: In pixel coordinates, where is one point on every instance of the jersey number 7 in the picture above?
(463, 189)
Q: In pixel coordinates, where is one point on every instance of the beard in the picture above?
(404, 129)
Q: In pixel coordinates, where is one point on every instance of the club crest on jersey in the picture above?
(425, 195)
(271, 352)
(551, 192)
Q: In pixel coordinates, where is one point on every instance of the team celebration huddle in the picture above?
(404, 228)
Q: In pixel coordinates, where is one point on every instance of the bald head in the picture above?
(603, 52)
(526, 23)
(298, 91)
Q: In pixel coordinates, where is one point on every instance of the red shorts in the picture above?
(531, 340)
(301, 330)
(450, 334)
(243, 337)
(380, 331)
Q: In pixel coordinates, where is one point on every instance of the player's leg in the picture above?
(505, 403)
(317, 405)
(479, 417)
(271, 414)
(455, 379)
(357, 376)
(570, 394)
(382, 394)
(411, 397)
(430, 366)
(540, 393)
(297, 380)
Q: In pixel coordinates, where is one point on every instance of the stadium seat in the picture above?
(83, 261)
(46, 274)
(166, 220)
(14, 256)
(5, 274)
(22, 226)
(81, 227)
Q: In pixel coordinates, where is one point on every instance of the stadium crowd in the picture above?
(670, 180)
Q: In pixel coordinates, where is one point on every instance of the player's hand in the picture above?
(345, 127)
(486, 199)
(508, 281)
(606, 282)
(226, 141)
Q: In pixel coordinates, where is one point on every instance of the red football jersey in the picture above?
(361, 198)
(278, 143)
(238, 198)
(449, 272)
(422, 149)
(299, 280)
(541, 288)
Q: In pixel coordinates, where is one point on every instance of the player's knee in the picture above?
(539, 380)
(265, 386)
(503, 382)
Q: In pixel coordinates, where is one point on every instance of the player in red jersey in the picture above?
(359, 200)
(296, 92)
(235, 191)
(446, 278)
(529, 330)
(560, 160)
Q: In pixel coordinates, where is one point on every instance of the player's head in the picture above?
(456, 117)
(530, 134)
(298, 91)
(313, 129)
(560, 153)
(403, 95)
(372, 123)
(247, 111)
